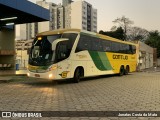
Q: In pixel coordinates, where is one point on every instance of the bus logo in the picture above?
(122, 57)
(64, 74)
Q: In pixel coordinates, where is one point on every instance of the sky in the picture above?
(144, 13)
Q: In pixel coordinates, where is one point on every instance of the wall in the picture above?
(158, 62)
(7, 45)
(145, 58)
(22, 58)
(76, 15)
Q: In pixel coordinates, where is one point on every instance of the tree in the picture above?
(137, 33)
(118, 33)
(124, 23)
(154, 41)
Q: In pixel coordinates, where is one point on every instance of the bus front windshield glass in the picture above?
(41, 53)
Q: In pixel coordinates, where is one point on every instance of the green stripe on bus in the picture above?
(105, 60)
(100, 60)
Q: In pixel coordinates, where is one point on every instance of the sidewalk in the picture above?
(12, 72)
(5, 79)
(21, 72)
(7, 75)
(152, 69)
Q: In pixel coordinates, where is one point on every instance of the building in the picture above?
(29, 30)
(145, 56)
(66, 2)
(79, 14)
(12, 13)
(58, 14)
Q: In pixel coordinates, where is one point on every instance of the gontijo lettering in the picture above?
(122, 57)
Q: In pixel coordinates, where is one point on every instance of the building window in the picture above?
(84, 18)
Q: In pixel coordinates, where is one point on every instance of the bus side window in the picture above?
(84, 43)
(133, 49)
(124, 48)
(96, 44)
(106, 46)
(115, 47)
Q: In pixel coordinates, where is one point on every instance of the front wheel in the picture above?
(77, 75)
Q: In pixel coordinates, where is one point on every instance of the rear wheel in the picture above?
(121, 71)
(127, 70)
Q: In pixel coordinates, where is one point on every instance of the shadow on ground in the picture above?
(47, 83)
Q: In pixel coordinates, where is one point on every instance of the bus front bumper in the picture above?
(48, 75)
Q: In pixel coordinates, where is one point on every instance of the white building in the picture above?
(28, 31)
(66, 2)
(58, 15)
(81, 15)
(145, 56)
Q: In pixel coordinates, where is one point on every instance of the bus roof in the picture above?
(59, 31)
(105, 37)
(114, 39)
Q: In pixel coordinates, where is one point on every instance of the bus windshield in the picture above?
(41, 51)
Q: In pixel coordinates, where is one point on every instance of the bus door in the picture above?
(63, 62)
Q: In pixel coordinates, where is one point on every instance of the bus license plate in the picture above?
(37, 75)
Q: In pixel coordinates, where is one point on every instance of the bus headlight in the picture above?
(50, 75)
(28, 74)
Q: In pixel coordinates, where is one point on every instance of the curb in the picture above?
(5, 79)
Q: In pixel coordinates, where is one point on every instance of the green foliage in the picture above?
(154, 41)
(118, 33)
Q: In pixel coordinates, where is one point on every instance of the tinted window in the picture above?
(115, 47)
(84, 43)
(124, 48)
(106, 45)
(72, 37)
(133, 49)
(97, 44)
(41, 51)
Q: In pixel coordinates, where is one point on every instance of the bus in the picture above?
(75, 53)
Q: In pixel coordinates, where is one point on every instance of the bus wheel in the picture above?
(77, 75)
(121, 71)
(127, 70)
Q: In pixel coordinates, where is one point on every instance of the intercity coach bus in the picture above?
(74, 53)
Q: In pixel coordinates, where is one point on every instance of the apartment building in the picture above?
(66, 2)
(79, 14)
(28, 31)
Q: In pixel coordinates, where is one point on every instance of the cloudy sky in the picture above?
(144, 13)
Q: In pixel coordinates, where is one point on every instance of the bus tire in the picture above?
(78, 74)
(121, 71)
(126, 70)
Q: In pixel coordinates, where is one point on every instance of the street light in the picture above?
(11, 18)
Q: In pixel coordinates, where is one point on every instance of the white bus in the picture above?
(73, 53)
